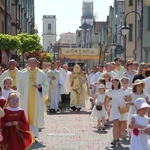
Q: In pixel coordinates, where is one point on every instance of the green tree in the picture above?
(8, 42)
(29, 43)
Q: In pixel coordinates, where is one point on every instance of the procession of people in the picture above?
(118, 95)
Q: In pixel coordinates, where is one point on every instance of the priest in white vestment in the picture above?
(55, 81)
(79, 93)
(33, 88)
(12, 72)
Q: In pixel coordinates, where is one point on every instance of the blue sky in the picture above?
(68, 13)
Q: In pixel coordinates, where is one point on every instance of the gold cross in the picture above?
(13, 77)
(32, 78)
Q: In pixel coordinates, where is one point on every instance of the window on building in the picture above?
(148, 19)
(130, 2)
(131, 32)
(49, 26)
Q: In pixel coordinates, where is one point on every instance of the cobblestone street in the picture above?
(75, 131)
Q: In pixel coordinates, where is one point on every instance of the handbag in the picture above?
(124, 109)
(99, 107)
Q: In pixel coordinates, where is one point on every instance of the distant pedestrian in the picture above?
(139, 123)
(100, 115)
(15, 126)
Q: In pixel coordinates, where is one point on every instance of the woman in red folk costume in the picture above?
(15, 127)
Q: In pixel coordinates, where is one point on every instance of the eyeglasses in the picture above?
(14, 100)
(130, 64)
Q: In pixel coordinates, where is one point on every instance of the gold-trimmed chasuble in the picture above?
(12, 74)
(32, 96)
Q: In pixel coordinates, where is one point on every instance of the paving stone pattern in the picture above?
(75, 131)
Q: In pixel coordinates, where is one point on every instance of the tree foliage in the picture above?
(29, 43)
(8, 42)
(21, 43)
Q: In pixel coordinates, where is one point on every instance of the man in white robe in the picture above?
(33, 88)
(45, 67)
(55, 81)
(94, 80)
(89, 77)
(65, 87)
(109, 70)
(12, 72)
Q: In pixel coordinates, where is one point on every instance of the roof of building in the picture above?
(85, 26)
(99, 25)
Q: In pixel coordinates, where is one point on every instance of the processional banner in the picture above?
(81, 53)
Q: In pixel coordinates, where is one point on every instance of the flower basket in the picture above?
(124, 109)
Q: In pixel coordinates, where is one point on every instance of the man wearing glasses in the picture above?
(119, 67)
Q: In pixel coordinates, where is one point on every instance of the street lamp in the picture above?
(113, 45)
(125, 29)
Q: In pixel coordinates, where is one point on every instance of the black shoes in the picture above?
(116, 143)
(49, 111)
(73, 108)
(78, 109)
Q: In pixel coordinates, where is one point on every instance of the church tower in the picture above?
(87, 13)
(49, 32)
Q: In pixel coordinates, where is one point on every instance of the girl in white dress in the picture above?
(7, 82)
(124, 83)
(107, 78)
(137, 88)
(101, 116)
(139, 124)
(118, 97)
